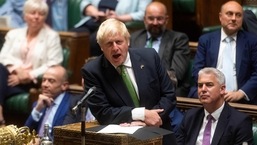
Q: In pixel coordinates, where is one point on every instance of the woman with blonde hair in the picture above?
(28, 52)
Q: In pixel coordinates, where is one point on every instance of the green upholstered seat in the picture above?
(184, 6)
(2, 2)
(210, 29)
(18, 103)
(73, 12)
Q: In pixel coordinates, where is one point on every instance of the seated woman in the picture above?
(27, 52)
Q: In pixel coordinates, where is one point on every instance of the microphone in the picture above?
(86, 96)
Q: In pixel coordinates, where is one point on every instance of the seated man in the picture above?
(216, 122)
(53, 103)
(171, 46)
(234, 52)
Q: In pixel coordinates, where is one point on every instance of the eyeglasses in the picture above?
(159, 19)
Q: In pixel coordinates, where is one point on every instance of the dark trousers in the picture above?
(7, 91)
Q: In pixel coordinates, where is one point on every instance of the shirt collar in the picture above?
(224, 35)
(59, 98)
(216, 113)
(149, 36)
(126, 63)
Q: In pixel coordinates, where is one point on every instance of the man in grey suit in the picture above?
(171, 46)
(113, 102)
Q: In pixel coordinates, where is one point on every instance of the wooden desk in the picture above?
(71, 135)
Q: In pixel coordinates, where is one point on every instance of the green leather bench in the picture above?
(184, 6)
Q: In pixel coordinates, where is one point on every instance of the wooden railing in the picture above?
(184, 103)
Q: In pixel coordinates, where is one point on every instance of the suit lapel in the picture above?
(141, 42)
(240, 45)
(197, 125)
(142, 80)
(164, 42)
(222, 123)
(116, 82)
(214, 49)
(61, 111)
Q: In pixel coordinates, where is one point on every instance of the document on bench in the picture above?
(113, 128)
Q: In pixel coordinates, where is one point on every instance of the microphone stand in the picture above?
(83, 108)
(83, 124)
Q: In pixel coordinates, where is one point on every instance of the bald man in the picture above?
(171, 46)
(241, 81)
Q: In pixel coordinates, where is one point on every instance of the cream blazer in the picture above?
(47, 51)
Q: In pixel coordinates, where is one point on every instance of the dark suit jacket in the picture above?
(246, 62)
(233, 127)
(112, 104)
(174, 53)
(250, 22)
(61, 112)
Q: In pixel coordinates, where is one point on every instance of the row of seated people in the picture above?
(209, 83)
(160, 19)
(111, 103)
(65, 15)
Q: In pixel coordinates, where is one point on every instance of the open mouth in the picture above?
(116, 56)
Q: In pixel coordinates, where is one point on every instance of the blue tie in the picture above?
(228, 65)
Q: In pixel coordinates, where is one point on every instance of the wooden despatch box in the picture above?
(71, 135)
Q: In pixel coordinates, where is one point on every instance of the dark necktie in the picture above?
(207, 131)
(129, 85)
(150, 42)
(228, 64)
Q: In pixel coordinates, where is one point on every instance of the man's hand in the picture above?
(152, 117)
(43, 101)
(233, 96)
(134, 123)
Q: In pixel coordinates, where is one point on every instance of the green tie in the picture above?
(129, 85)
(150, 43)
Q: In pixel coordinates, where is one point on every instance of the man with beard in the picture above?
(53, 103)
(171, 46)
